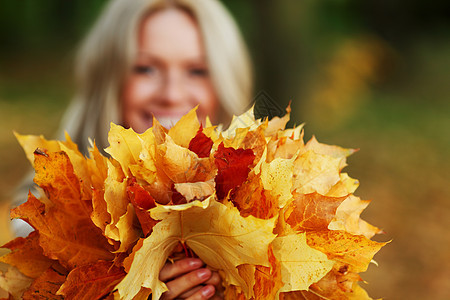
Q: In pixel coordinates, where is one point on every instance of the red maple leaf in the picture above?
(201, 144)
(233, 167)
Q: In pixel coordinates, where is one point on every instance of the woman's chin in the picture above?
(145, 123)
(168, 122)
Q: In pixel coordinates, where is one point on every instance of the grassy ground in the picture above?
(402, 165)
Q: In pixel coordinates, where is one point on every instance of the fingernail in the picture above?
(204, 273)
(195, 263)
(208, 291)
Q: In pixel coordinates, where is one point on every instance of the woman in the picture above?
(159, 58)
(109, 59)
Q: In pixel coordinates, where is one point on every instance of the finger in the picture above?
(186, 282)
(215, 280)
(205, 292)
(180, 267)
(190, 292)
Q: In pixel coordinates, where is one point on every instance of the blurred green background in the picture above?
(373, 75)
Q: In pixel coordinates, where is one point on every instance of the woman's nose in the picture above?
(172, 90)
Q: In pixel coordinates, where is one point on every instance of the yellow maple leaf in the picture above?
(330, 150)
(345, 186)
(314, 172)
(347, 218)
(356, 251)
(116, 198)
(185, 129)
(182, 165)
(301, 265)
(125, 146)
(217, 234)
(277, 124)
(276, 177)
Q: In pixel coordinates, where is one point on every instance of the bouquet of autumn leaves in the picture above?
(274, 216)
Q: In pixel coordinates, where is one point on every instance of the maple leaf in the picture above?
(330, 150)
(314, 172)
(99, 216)
(46, 285)
(276, 177)
(285, 146)
(268, 280)
(347, 218)
(235, 140)
(82, 167)
(256, 141)
(185, 129)
(128, 229)
(27, 256)
(55, 175)
(252, 199)
(233, 168)
(97, 165)
(91, 281)
(30, 143)
(115, 196)
(195, 190)
(142, 202)
(311, 212)
(201, 144)
(329, 288)
(218, 235)
(277, 124)
(125, 146)
(245, 120)
(345, 186)
(71, 240)
(182, 165)
(301, 265)
(356, 251)
(14, 282)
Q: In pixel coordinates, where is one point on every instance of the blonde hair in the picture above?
(107, 54)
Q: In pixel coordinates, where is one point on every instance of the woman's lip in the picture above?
(167, 114)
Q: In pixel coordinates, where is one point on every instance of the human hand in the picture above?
(188, 279)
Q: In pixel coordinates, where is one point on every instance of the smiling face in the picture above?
(170, 74)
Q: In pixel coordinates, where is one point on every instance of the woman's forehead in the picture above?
(170, 31)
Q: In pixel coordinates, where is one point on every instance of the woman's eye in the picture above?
(144, 69)
(201, 72)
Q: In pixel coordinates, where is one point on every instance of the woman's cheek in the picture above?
(207, 101)
(142, 90)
